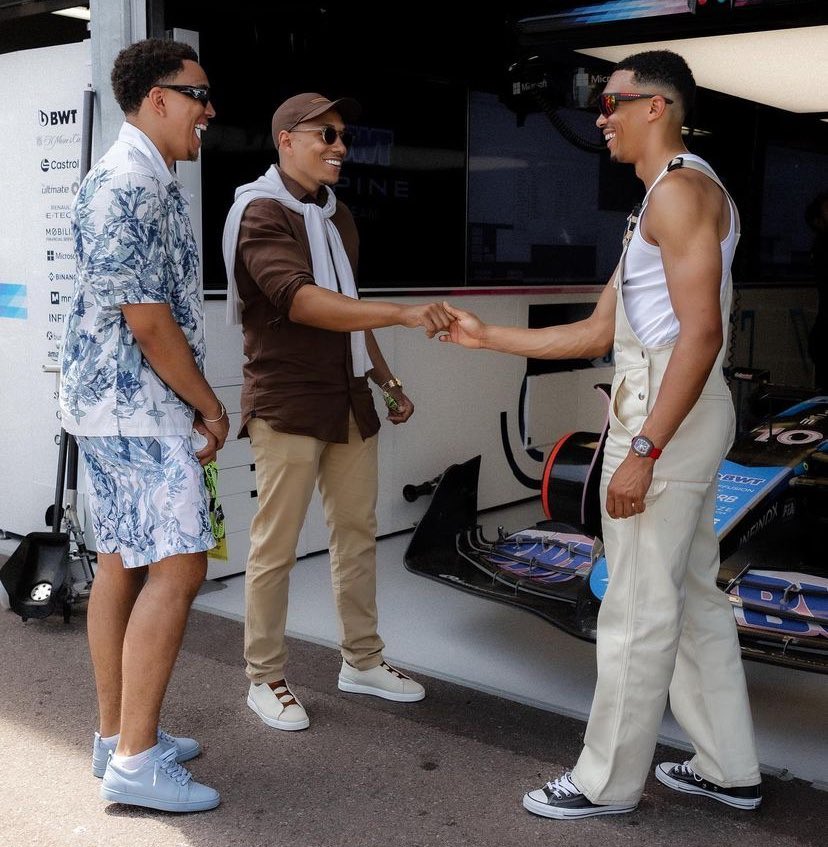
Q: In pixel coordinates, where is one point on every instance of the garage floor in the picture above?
(503, 687)
(498, 649)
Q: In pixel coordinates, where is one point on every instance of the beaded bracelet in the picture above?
(216, 420)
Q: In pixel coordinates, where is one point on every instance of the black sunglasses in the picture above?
(608, 103)
(330, 134)
(201, 93)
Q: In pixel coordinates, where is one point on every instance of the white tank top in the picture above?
(646, 298)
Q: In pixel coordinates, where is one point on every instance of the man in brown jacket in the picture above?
(291, 249)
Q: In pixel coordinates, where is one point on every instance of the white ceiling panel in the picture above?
(784, 68)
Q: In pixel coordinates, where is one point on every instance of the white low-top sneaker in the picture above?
(381, 681)
(160, 783)
(277, 705)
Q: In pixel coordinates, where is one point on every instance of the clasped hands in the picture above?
(446, 322)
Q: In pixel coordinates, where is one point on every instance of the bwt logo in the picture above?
(57, 118)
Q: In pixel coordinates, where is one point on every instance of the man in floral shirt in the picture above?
(133, 394)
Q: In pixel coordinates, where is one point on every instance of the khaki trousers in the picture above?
(287, 469)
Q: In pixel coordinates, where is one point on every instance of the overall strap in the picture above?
(638, 210)
(701, 167)
(632, 222)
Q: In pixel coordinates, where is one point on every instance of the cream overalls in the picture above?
(663, 623)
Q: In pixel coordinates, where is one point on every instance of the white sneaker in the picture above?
(277, 705)
(381, 681)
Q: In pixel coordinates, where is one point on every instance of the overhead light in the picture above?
(602, 12)
(82, 13)
(783, 68)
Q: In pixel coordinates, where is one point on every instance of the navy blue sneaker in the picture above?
(681, 777)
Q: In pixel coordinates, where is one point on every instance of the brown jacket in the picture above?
(297, 378)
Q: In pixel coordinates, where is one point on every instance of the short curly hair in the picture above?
(144, 64)
(665, 68)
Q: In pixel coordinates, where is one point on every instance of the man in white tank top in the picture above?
(664, 626)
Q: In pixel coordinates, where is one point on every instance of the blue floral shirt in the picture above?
(134, 244)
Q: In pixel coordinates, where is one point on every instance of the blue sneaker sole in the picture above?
(160, 805)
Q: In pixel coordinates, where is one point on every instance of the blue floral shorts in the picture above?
(147, 497)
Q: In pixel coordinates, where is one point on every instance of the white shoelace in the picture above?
(563, 787)
(685, 770)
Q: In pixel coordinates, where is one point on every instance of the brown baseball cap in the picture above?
(303, 107)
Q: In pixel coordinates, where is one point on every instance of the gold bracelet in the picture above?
(393, 382)
(216, 420)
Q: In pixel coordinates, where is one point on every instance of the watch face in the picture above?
(641, 445)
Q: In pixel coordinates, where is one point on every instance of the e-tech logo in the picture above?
(57, 118)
